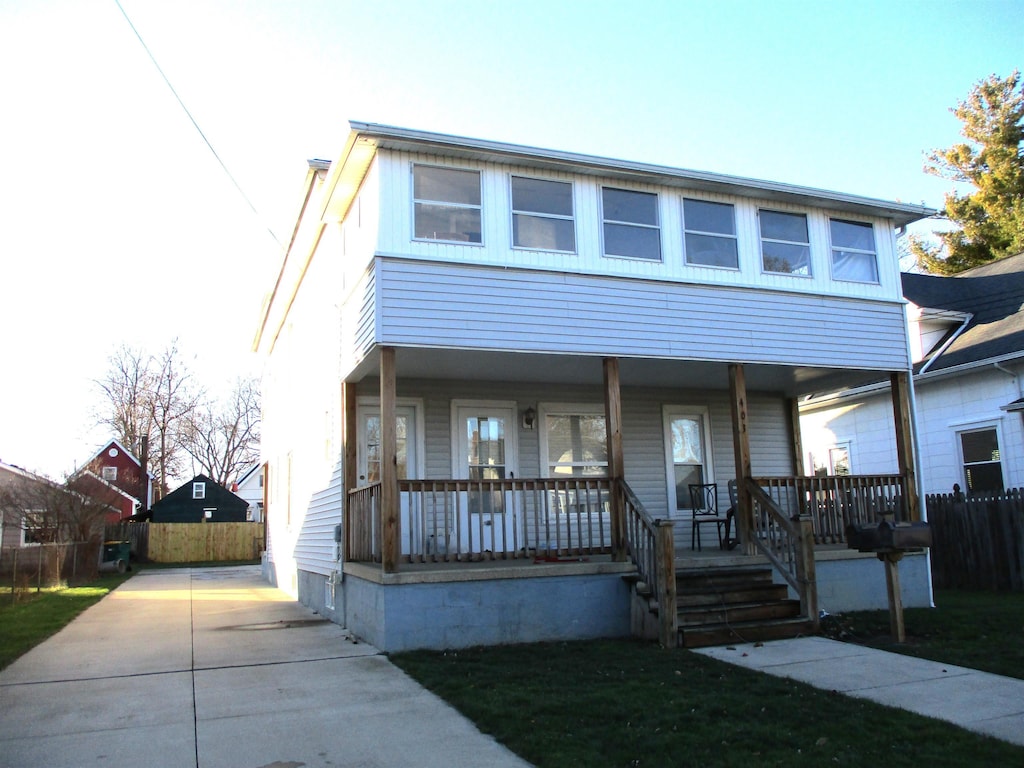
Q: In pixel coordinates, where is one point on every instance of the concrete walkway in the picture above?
(215, 668)
(988, 704)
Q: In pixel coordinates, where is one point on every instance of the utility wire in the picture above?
(196, 125)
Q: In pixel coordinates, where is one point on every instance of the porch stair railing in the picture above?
(787, 541)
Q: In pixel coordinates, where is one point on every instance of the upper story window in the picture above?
(710, 234)
(542, 215)
(198, 490)
(631, 226)
(853, 251)
(446, 203)
(110, 474)
(785, 246)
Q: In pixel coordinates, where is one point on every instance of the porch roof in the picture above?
(480, 365)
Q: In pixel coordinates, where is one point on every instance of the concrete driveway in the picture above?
(214, 667)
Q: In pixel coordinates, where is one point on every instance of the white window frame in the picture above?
(109, 474)
(564, 409)
(198, 490)
(984, 426)
(539, 214)
(762, 240)
(638, 225)
(24, 527)
(445, 203)
(667, 412)
(833, 248)
(687, 230)
(366, 403)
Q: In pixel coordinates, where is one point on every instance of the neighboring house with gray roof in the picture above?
(967, 339)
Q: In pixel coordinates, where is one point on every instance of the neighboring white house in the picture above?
(967, 337)
(521, 357)
(249, 486)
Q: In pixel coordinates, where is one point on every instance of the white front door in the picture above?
(485, 449)
(687, 455)
(369, 457)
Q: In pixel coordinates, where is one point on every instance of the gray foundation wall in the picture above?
(857, 583)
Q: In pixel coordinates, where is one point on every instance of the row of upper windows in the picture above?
(447, 206)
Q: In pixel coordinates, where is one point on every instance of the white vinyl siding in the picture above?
(433, 305)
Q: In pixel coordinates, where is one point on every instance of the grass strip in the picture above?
(25, 624)
(629, 704)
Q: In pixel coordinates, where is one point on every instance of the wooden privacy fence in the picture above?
(977, 542)
(193, 542)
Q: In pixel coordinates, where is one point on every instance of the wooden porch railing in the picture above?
(474, 520)
(788, 543)
(835, 501)
(651, 547)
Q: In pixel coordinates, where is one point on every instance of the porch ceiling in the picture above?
(475, 365)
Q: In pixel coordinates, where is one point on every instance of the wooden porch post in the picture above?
(796, 438)
(349, 437)
(388, 463)
(616, 463)
(900, 387)
(741, 449)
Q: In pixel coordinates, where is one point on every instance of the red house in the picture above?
(114, 469)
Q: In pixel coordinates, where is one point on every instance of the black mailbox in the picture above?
(886, 536)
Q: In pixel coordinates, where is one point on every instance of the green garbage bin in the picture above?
(116, 556)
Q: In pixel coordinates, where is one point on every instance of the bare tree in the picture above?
(223, 437)
(152, 397)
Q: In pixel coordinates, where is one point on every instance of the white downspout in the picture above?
(945, 345)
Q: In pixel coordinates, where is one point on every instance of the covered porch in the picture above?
(399, 529)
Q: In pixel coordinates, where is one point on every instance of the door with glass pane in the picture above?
(369, 458)
(485, 450)
(687, 457)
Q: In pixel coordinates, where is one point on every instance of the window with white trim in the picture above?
(710, 234)
(853, 251)
(198, 490)
(446, 204)
(37, 527)
(983, 467)
(574, 440)
(631, 224)
(785, 245)
(110, 474)
(542, 215)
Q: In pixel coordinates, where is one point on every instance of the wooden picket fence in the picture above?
(977, 542)
(191, 542)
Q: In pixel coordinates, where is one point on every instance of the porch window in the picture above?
(688, 460)
(710, 237)
(372, 438)
(447, 204)
(853, 251)
(542, 215)
(983, 468)
(486, 461)
(576, 443)
(631, 225)
(785, 246)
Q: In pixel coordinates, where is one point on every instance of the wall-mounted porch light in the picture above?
(529, 418)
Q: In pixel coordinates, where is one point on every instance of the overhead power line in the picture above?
(199, 130)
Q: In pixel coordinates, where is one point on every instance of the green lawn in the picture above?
(631, 704)
(36, 615)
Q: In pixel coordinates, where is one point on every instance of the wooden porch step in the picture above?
(717, 578)
(770, 610)
(740, 593)
(743, 632)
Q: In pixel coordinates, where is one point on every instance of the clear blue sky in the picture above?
(118, 225)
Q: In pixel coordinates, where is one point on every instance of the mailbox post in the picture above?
(890, 541)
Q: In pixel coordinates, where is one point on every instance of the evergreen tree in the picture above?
(990, 219)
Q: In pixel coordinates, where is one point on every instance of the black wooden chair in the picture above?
(704, 504)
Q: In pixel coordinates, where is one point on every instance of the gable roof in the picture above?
(993, 297)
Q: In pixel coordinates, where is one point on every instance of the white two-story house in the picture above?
(493, 373)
